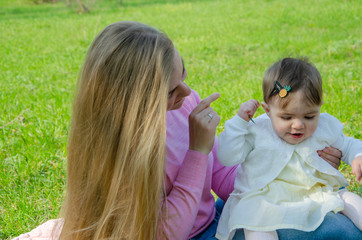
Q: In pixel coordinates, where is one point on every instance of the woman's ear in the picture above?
(266, 108)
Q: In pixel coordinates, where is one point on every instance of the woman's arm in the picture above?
(186, 182)
(182, 202)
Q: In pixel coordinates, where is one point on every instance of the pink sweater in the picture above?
(190, 177)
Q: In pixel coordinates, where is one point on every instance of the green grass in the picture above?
(226, 47)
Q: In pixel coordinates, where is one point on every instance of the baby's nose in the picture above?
(298, 124)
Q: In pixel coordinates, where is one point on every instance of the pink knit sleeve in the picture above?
(189, 205)
(182, 202)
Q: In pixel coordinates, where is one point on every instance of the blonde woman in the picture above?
(142, 146)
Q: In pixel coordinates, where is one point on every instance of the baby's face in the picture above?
(296, 122)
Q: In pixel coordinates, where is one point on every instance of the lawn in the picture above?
(226, 47)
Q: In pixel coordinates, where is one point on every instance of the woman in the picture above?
(117, 187)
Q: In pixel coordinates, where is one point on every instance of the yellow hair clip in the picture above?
(282, 91)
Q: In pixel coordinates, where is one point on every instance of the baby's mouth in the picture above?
(296, 135)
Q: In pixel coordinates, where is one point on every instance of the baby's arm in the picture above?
(352, 154)
(233, 146)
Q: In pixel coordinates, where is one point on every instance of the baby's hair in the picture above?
(299, 74)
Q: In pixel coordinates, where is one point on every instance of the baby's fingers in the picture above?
(251, 106)
(357, 169)
(358, 173)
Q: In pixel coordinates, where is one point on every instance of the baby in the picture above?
(281, 181)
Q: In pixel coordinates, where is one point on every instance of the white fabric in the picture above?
(279, 185)
(251, 143)
(352, 207)
(252, 235)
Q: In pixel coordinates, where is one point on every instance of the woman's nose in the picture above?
(186, 90)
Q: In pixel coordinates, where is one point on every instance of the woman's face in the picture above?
(178, 88)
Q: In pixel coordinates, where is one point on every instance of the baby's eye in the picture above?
(286, 117)
(309, 117)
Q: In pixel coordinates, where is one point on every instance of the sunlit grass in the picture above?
(226, 47)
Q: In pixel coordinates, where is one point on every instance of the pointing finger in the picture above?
(205, 103)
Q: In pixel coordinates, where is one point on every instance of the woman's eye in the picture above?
(170, 93)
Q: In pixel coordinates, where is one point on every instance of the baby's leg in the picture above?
(253, 235)
(352, 207)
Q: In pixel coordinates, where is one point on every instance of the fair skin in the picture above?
(294, 123)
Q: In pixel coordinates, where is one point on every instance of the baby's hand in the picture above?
(248, 109)
(357, 167)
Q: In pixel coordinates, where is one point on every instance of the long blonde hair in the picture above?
(116, 150)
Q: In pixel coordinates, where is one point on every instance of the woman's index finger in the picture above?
(206, 102)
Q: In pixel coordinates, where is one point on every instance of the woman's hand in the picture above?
(203, 121)
(331, 156)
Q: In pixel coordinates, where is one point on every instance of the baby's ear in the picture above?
(266, 108)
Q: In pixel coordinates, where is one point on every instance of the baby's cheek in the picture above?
(311, 130)
(280, 131)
